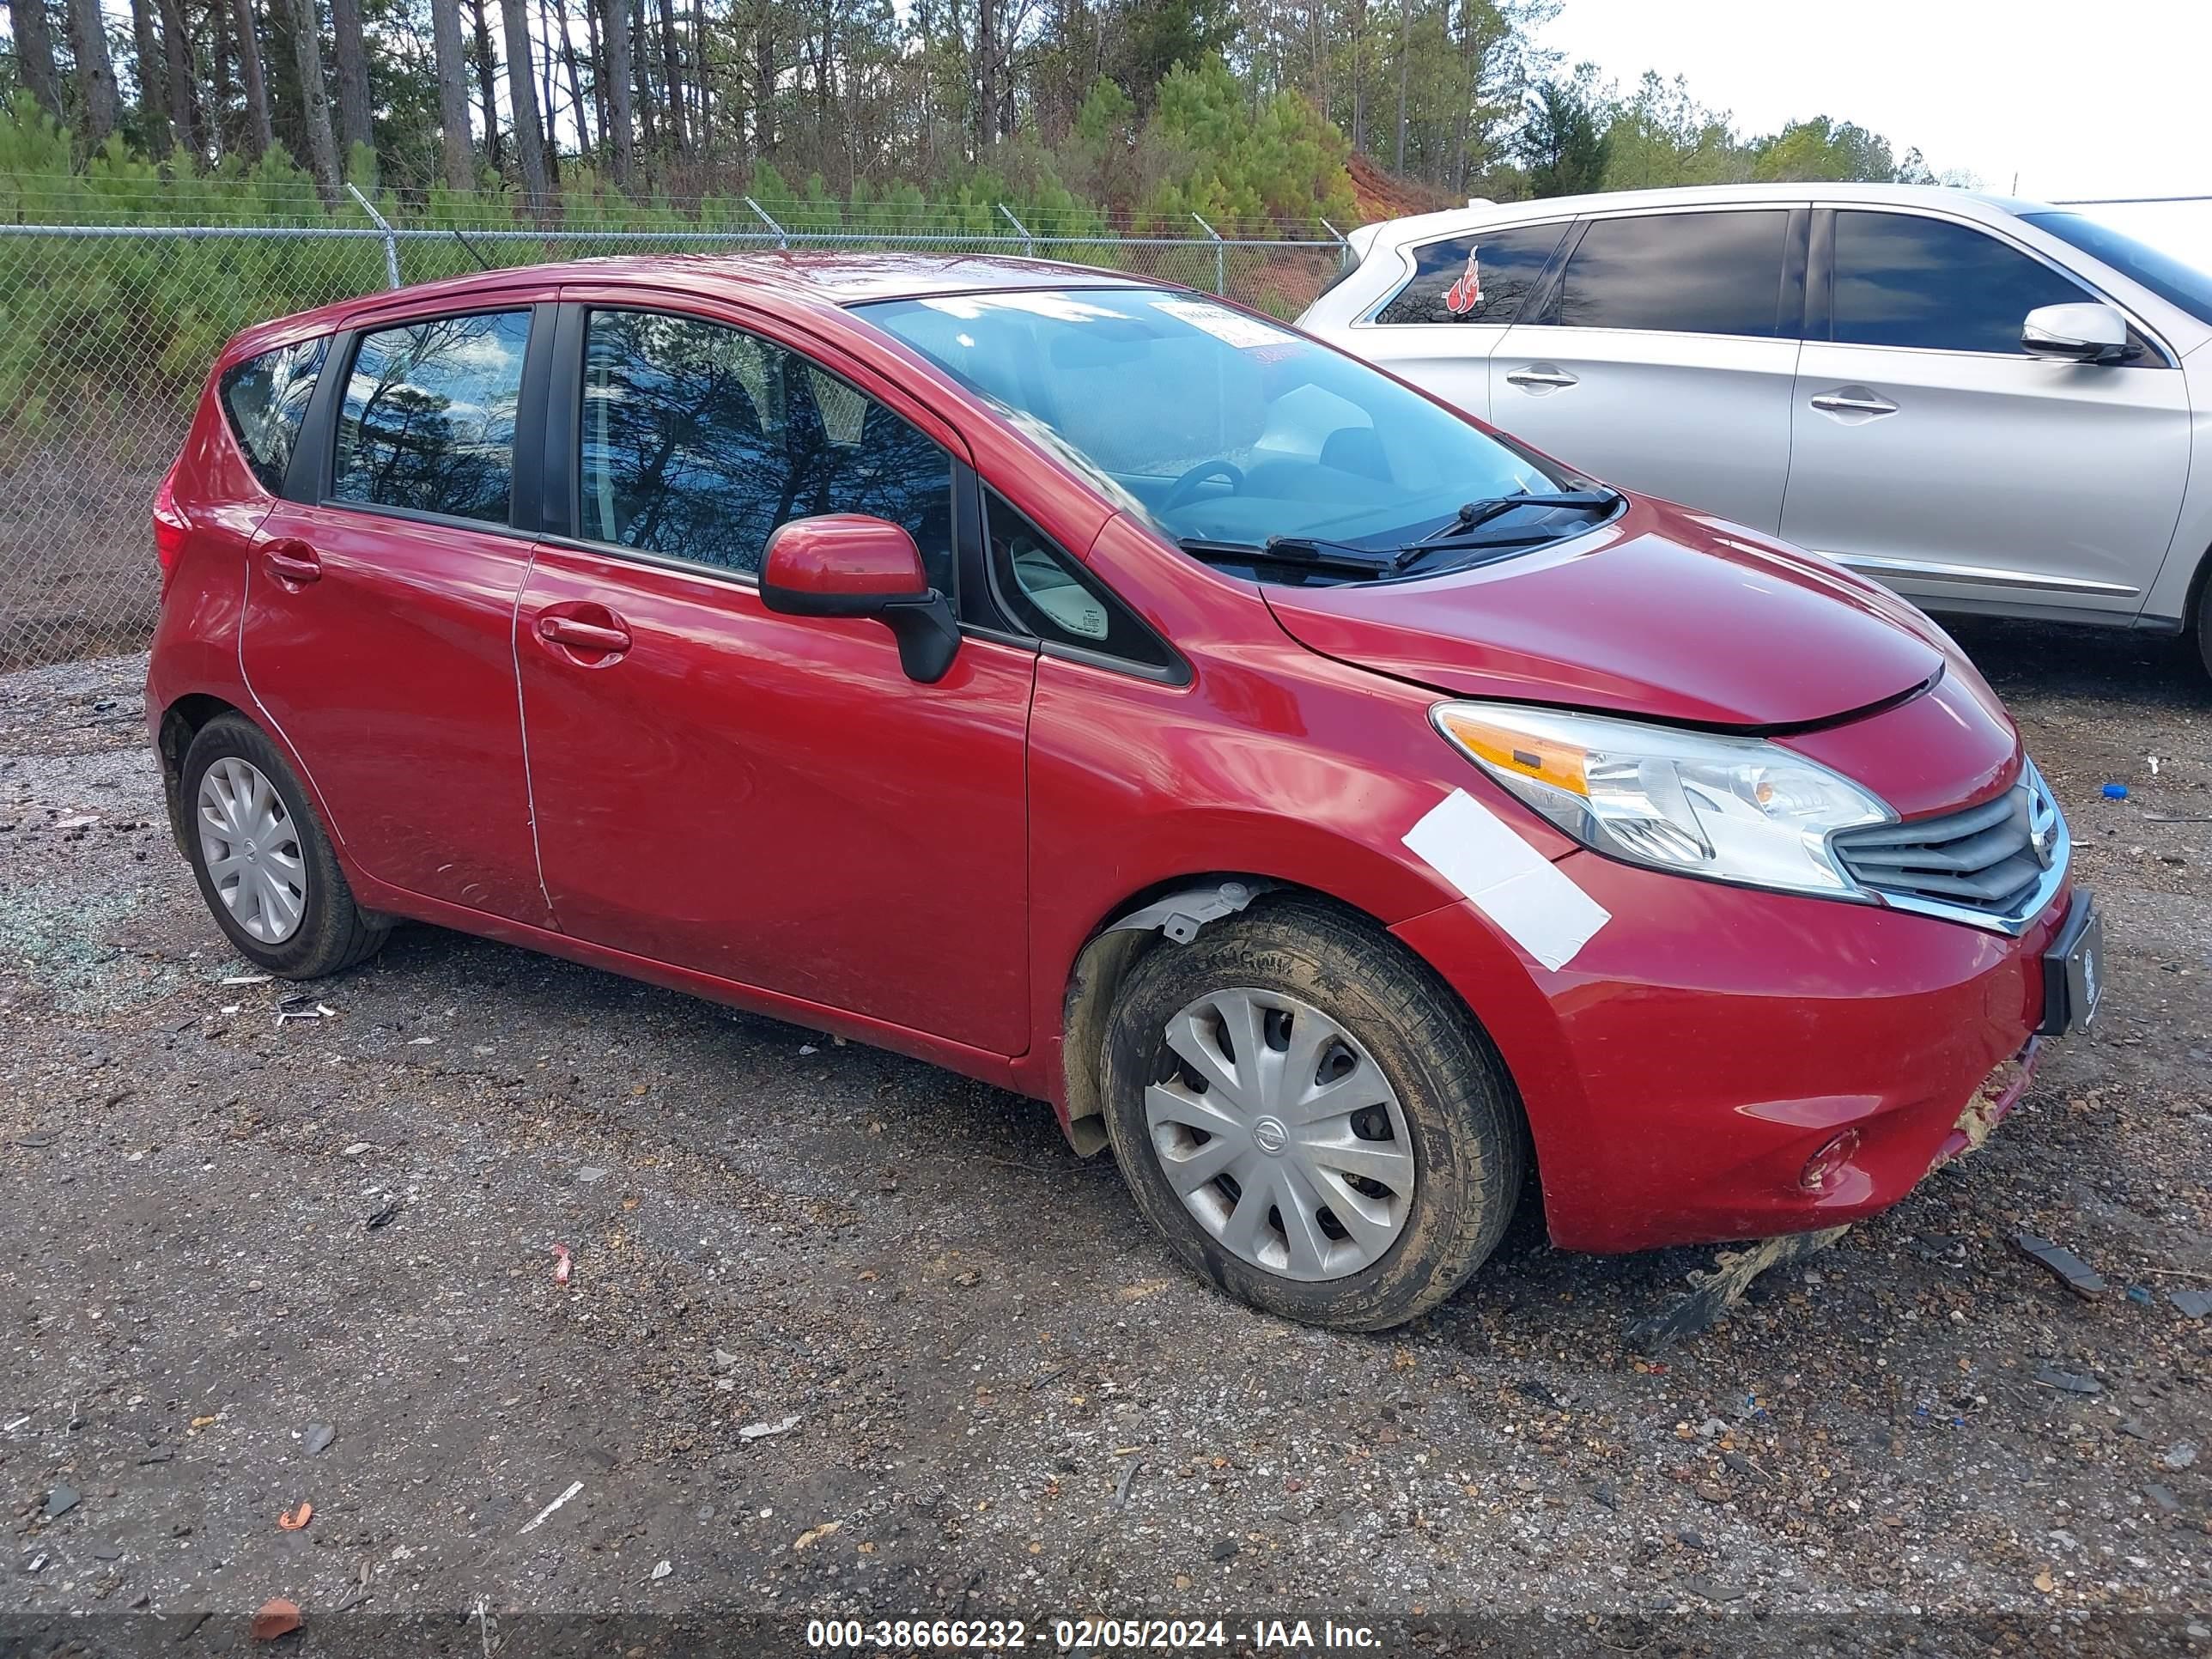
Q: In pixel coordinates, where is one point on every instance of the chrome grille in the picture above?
(1997, 863)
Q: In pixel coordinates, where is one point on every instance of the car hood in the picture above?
(1662, 613)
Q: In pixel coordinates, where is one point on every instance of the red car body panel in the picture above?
(763, 809)
(408, 628)
(1648, 615)
(778, 805)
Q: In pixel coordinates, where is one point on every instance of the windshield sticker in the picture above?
(1038, 302)
(1464, 294)
(1527, 895)
(1230, 327)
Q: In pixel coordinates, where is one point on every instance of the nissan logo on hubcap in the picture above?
(1269, 1135)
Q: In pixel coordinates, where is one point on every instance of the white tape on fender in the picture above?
(1508, 880)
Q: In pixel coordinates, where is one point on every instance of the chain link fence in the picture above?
(107, 332)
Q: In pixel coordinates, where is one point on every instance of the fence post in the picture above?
(391, 242)
(781, 241)
(1220, 258)
(1029, 242)
(1342, 241)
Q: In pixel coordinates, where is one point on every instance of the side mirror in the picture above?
(2088, 333)
(846, 564)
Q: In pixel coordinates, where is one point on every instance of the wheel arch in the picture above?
(2197, 609)
(1144, 922)
(181, 721)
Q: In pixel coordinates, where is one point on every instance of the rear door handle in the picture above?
(1853, 400)
(1542, 374)
(581, 635)
(292, 563)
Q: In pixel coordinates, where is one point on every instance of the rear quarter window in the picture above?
(1480, 278)
(264, 399)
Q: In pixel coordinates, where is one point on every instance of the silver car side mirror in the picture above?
(2087, 332)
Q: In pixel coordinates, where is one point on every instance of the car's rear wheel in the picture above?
(264, 866)
(1310, 1118)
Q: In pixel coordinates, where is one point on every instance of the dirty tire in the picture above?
(1468, 1139)
(333, 933)
(2204, 622)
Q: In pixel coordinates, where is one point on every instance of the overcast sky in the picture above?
(2101, 99)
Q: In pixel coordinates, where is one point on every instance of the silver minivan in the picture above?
(1990, 404)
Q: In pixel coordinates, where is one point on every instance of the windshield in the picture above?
(1221, 426)
(2176, 282)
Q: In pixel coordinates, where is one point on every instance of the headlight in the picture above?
(1735, 809)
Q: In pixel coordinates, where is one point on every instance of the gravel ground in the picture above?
(846, 1335)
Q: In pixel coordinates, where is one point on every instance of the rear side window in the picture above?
(429, 422)
(265, 400)
(1482, 278)
(1688, 273)
(700, 439)
(1901, 280)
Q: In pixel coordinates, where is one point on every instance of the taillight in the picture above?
(170, 529)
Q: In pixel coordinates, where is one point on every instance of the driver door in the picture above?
(1931, 451)
(766, 798)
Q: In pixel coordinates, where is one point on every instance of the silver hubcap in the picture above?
(1281, 1133)
(252, 850)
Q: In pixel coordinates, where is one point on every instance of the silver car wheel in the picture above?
(1281, 1134)
(252, 850)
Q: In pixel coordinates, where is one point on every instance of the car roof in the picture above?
(1978, 203)
(807, 279)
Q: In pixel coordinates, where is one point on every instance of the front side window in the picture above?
(2174, 281)
(700, 439)
(1212, 422)
(1901, 280)
(429, 422)
(1687, 273)
(266, 400)
(1479, 278)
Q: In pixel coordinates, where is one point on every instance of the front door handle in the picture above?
(1542, 375)
(581, 635)
(292, 563)
(1853, 400)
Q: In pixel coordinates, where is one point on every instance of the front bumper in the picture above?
(1708, 1041)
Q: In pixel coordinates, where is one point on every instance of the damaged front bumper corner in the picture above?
(1716, 1289)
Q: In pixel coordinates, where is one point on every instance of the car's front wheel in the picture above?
(1310, 1117)
(2205, 623)
(264, 866)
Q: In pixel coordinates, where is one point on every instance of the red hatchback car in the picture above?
(1328, 803)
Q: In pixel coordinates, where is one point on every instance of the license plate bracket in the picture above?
(2073, 970)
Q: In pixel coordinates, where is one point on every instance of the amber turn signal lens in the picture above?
(1562, 765)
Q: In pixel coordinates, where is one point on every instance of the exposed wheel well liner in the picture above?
(181, 723)
(1114, 949)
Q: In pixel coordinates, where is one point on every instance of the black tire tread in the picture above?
(335, 935)
(1460, 1104)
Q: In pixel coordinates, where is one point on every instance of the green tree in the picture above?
(1565, 141)
(1821, 151)
(1662, 136)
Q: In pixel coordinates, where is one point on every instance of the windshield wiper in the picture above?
(1474, 515)
(1305, 552)
(1462, 532)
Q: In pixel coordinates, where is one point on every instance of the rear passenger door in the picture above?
(379, 630)
(1662, 358)
(1439, 329)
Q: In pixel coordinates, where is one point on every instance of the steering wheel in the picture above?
(1185, 489)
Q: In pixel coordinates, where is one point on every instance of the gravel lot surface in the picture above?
(849, 1335)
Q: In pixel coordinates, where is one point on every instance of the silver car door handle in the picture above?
(1854, 402)
(1542, 375)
